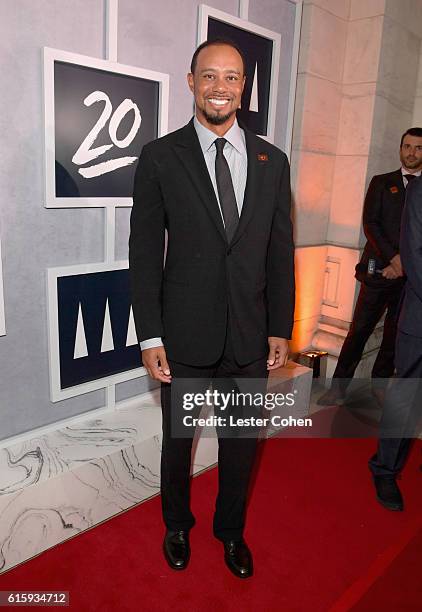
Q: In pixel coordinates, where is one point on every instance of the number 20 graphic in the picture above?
(87, 153)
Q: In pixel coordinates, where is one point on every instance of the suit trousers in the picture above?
(402, 409)
(236, 455)
(370, 306)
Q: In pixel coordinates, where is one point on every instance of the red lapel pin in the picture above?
(262, 157)
(394, 189)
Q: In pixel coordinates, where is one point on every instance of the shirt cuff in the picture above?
(150, 343)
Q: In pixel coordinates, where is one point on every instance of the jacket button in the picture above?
(229, 251)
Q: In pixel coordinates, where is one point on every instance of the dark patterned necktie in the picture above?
(409, 177)
(225, 190)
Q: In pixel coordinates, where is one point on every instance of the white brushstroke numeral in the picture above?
(87, 153)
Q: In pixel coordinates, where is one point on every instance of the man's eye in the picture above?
(232, 78)
(208, 76)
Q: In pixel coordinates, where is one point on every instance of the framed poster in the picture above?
(261, 48)
(92, 337)
(2, 317)
(98, 114)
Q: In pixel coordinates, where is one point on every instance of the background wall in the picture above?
(155, 35)
(358, 91)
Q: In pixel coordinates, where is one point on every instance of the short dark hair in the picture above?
(217, 41)
(414, 131)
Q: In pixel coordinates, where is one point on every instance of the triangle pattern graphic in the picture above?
(131, 338)
(253, 105)
(107, 343)
(81, 349)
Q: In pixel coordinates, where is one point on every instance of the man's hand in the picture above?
(390, 273)
(279, 352)
(396, 263)
(155, 362)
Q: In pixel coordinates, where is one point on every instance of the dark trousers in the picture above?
(236, 455)
(402, 409)
(370, 306)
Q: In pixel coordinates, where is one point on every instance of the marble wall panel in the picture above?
(355, 125)
(323, 44)
(406, 12)
(320, 110)
(417, 112)
(380, 164)
(310, 265)
(303, 334)
(340, 8)
(390, 122)
(360, 9)
(312, 180)
(346, 291)
(363, 50)
(355, 90)
(399, 60)
(347, 199)
(418, 92)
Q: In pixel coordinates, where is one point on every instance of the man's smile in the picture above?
(218, 102)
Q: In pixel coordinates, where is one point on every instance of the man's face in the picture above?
(411, 153)
(217, 85)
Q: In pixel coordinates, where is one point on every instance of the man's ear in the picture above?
(190, 81)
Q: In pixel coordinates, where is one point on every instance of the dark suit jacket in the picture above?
(187, 304)
(381, 220)
(410, 321)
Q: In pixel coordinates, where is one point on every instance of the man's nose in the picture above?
(220, 84)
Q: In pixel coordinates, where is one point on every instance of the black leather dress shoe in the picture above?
(238, 558)
(388, 493)
(176, 549)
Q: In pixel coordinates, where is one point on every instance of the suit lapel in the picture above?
(395, 182)
(254, 181)
(190, 153)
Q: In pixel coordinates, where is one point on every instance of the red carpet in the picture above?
(320, 542)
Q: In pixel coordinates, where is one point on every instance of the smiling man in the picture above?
(222, 305)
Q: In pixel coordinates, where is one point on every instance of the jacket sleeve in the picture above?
(280, 262)
(372, 211)
(146, 249)
(411, 237)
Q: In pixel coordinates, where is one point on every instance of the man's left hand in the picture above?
(278, 353)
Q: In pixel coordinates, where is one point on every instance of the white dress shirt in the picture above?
(404, 172)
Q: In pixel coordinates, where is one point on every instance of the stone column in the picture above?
(350, 127)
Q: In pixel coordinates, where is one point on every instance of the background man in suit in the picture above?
(223, 305)
(403, 405)
(380, 272)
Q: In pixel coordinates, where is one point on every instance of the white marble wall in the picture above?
(417, 108)
(318, 106)
(356, 95)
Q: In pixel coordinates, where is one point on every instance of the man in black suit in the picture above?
(380, 272)
(403, 405)
(223, 305)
